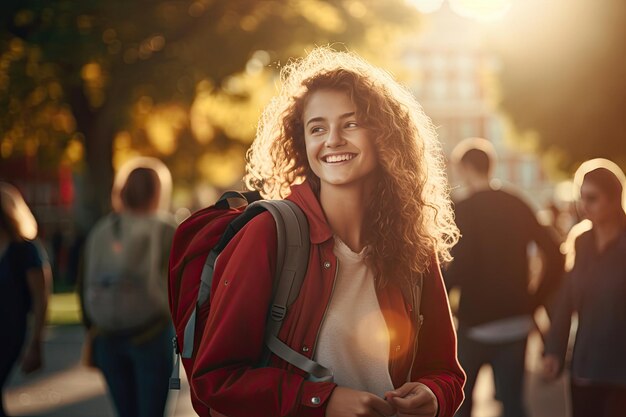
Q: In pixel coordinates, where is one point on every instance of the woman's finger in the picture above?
(416, 403)
(383, 407)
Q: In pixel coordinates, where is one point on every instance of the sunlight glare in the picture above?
(427, 6)
(486, 10)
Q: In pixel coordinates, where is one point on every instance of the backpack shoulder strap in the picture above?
(294, 242)
(293, 248)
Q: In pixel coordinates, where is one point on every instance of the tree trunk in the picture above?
(94, 188)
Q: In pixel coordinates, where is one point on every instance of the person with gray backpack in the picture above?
(124, 291)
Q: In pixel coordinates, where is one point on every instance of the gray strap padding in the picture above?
(189, 335)
(293, 241)
(206, 280)
(175, 377)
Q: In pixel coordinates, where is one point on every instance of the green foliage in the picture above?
(83, 71)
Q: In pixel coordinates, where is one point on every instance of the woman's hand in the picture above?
(346, 402)
(413, 399)
(551, 367)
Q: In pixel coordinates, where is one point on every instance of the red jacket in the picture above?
(225, 377)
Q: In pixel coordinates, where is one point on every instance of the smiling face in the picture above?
(339, 150)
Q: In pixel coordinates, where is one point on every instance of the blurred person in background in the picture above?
(595, 289)
(491, 270)
(124, 290)
(24, 283)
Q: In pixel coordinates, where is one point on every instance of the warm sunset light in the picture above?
(483, 10)
(427, 6)
(457, 145)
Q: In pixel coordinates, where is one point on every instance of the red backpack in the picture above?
(197, 243)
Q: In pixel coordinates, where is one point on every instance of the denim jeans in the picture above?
(137, 375)
(508, 363)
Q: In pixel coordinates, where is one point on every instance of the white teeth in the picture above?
(339, 158)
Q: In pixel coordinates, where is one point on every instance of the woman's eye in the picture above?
(317, 129)
(352, 124)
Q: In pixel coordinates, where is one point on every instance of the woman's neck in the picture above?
(607, 231)
(344, 207)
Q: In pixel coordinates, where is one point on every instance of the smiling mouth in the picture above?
(333, 159)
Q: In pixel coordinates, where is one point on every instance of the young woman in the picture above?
(595, 289)
(24, 279)
(354, 150)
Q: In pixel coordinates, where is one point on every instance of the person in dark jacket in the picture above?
(490, 268)
(355, 152)
(595, 289)
(24, 283)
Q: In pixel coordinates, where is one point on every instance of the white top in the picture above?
(354, 340)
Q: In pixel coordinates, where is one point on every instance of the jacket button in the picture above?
(305, 348)
(327, 264)
(316, 400)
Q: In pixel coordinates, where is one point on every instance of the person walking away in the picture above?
(24, 286)
(490, 268)
(125, 290)
(595, 289)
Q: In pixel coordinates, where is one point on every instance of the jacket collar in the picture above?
(305, 198)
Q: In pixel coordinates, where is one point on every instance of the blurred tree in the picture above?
(564, 77)
(80, 79)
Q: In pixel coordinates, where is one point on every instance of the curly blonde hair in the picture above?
(411, 218)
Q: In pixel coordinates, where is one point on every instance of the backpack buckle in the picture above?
(278, 312)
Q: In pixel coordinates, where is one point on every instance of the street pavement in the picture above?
(66, 388)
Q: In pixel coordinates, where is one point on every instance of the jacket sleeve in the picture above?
(562, 309)
(226, 376)
(436, 363)
(554, 262)
(558, 336)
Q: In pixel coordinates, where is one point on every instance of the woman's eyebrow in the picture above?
(321, 119)
(315, 119)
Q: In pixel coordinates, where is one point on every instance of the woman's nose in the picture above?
(334, 138)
